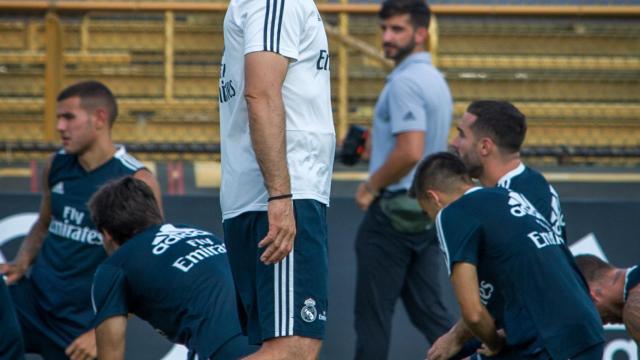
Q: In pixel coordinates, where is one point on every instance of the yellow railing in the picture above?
(342, 7)
(55, 58)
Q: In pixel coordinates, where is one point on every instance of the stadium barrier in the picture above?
(613, 236)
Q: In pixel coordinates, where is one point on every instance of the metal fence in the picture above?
(573, 70)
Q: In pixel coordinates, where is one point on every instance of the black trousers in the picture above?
(392, 265)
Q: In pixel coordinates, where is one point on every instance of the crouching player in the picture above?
(547, 313)
(176, 278)
(615, 292)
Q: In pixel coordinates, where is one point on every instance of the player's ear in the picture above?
(101, 117)
(434, 198)
(486, 146)
(595, 293)
(421, 34)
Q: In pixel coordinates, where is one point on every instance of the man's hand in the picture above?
(445, 347)
(486, 351)
(13, 272)
(282, 231)
(364, 197)
(83, 347)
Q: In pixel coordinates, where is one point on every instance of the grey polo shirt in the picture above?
(415, 98)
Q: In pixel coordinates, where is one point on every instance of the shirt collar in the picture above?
(469, 191)
(473, 189)
(626, 282)
(419, 57)
(506, 178)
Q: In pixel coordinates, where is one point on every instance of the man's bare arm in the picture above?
(32, 243)
(264, 76)
(110, 338)
(476, 317)
(150, 179)
(631, 314)
(405, 155)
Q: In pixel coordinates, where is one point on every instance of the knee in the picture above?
(290, 348)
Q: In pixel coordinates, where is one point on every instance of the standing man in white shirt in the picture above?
(278, 144)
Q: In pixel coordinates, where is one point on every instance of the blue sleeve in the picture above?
(459, 235)
(109, 293)
(406, 105)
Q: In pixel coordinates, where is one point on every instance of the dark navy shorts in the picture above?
(11, 344)
(287, 298)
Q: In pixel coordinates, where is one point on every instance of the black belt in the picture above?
(388, 194)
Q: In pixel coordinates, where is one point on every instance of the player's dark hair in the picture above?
(92, 94)
(123, 208)
(592, 267)
(418, 10)
(441, 171)
(500, 121)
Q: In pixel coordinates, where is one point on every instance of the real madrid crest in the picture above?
(309, 312)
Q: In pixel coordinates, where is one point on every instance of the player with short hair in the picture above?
(175, 277)
(63, 247)
(546, 312)
(489, 139)
(278, 145)
(490, 136)
(614, 291)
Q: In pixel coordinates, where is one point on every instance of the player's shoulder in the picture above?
(631, 282)
(127, 160)
(631, 313)
(61, 158)
(467, 204)
(534, 175)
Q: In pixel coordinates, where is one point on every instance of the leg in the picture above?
(382, 258)
(235, 348)
(288, 348)
(293, 293)
(427, 294)
(36, 341)
(242, 248)
(11, 343)
(284, 304)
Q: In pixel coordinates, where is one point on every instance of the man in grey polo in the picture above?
(396, 246)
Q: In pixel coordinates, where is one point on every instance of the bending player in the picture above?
(177, 278)
(547, 312)
(490, 135)
(614, 291)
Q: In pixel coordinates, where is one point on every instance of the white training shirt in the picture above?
(294, 29)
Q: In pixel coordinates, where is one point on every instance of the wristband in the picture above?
(279, 197)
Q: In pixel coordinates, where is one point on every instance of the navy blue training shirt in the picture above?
(63, 271)
(515, 247)
(178, 279)
(546, 201)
